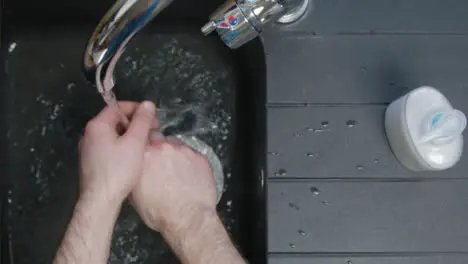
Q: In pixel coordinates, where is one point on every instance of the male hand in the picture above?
(177, 197)
(112, 159)
(176, 187)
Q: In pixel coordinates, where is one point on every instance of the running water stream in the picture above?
(111, 100)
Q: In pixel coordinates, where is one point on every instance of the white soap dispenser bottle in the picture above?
(424, 131)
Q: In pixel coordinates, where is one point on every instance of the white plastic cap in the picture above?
(444, 127)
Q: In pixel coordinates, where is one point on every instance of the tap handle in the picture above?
(238, 22)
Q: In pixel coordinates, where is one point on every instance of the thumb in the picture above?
(142, 122)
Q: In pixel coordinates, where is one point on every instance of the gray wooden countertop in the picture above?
(336, 193)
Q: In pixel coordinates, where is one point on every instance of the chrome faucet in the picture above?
(236, 22)
(111, 36)
(239, 21)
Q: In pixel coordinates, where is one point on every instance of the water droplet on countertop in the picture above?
(273, 153)
(325, 202)
(314, 190)
(375, 161)
(349, 262)
(351, 123)
(292, 245)
(310, 155)
(359, 167)
(325, 124)
(297, 134)
(310, 129)
(281, 172)
(302, 232)
(363, 68)
(295, 206)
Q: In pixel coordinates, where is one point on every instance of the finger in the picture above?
(174, 141)
(141, 123)
(80, 144)
(156, 138)
(109, 119)
(129, 108)
(112, 118)
(155, 125)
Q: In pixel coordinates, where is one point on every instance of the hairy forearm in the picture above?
(202, 240)
(89, 232)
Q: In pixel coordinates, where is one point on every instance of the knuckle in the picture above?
(132, 140)
(144, 117)
(93, 127)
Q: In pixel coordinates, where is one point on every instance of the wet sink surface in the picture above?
(49, 103)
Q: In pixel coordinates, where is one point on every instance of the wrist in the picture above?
(193, 219)
(100, 204)
(89, 231)
(201, 238)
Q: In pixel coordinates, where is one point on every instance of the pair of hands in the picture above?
(165, 181)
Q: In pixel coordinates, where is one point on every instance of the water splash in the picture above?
(70, 86)
(12, 47)
(189, 120)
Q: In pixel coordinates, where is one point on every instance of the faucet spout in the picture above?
(105, 46)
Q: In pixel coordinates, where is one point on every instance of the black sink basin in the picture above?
(47, 101)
